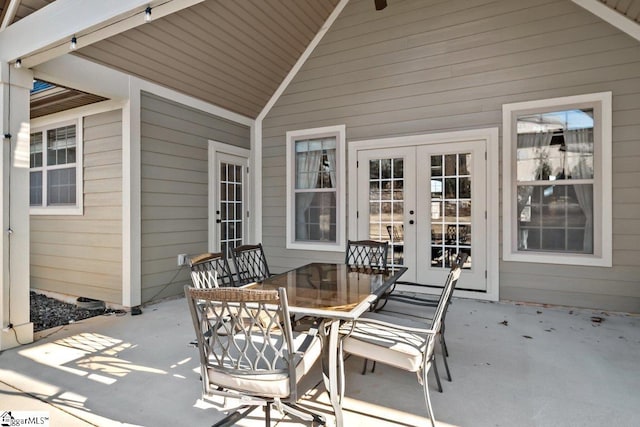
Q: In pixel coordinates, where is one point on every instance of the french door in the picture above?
(429, 202)
(228, 195)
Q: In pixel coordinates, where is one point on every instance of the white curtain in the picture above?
(581, 141)
(307, 169)
(331, 158)
(539, 141)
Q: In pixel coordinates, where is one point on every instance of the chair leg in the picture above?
(304, 414)
(444, 357)
(445, 350)
(232, 419)
(427, 399)
(267, 415)
(435, 372)
(364, 367)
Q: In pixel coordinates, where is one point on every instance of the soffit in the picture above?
(628, 8)
(56, 98)
(233, 54)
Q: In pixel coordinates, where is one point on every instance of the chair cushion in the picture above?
(391, 346)
(268, 385)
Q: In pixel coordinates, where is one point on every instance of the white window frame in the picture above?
(339, 132)
(62, 210)
(602, 229)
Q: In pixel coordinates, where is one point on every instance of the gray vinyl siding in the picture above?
(437, 66)
(174, 187)
(81, 255)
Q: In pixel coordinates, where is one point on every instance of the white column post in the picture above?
(131, 209)
(15, 85)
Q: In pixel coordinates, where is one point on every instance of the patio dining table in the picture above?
(333, 293)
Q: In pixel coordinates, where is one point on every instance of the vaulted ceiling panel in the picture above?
(233, 54)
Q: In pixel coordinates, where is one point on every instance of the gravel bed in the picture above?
(49, 312)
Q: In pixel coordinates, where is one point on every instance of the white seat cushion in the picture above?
(268, 385)
(388, 345)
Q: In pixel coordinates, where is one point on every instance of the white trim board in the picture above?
(491, 138)
(602, 188)
(131, 196)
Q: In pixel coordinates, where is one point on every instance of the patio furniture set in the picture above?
(251, 344)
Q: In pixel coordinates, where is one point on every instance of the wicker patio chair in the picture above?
(248, 351)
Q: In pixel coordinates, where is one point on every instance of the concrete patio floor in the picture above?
(512, 365)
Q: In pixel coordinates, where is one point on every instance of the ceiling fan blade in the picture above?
(380, 4)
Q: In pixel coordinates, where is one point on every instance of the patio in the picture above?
(512, 364)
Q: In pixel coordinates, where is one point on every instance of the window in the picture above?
(557, 180)
(315, 189)
(55, 184)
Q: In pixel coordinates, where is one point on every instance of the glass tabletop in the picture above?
(333, 287)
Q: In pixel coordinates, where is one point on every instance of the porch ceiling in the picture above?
(233, 54)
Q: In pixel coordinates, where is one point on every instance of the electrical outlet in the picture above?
(182, 260)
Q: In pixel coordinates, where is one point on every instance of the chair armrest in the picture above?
(310, 336)
(412, 299)
(386, 322)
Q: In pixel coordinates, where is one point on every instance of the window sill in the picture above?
(559, 258)
(316, 246)
(56, 211)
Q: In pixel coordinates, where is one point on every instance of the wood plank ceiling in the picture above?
(233, 54)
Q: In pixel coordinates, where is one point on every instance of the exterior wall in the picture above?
(174, 175)
(81, 255)
(427, 67)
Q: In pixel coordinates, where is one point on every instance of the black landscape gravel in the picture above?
(49, 312)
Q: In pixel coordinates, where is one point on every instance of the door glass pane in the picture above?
(231, 206)
(386, 205)
(450, 208)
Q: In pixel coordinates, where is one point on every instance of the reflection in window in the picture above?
(555, 171)
(315, 190)
(450, 208)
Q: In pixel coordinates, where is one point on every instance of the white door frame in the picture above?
(215, 149)
(490, 136)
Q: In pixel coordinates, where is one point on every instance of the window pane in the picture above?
(555, 145)
(315, 216)
(436, 165)
(35, 188)
(36, 150)
(315, 163)
(61, 145)
(61, 187)
(556, 218)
